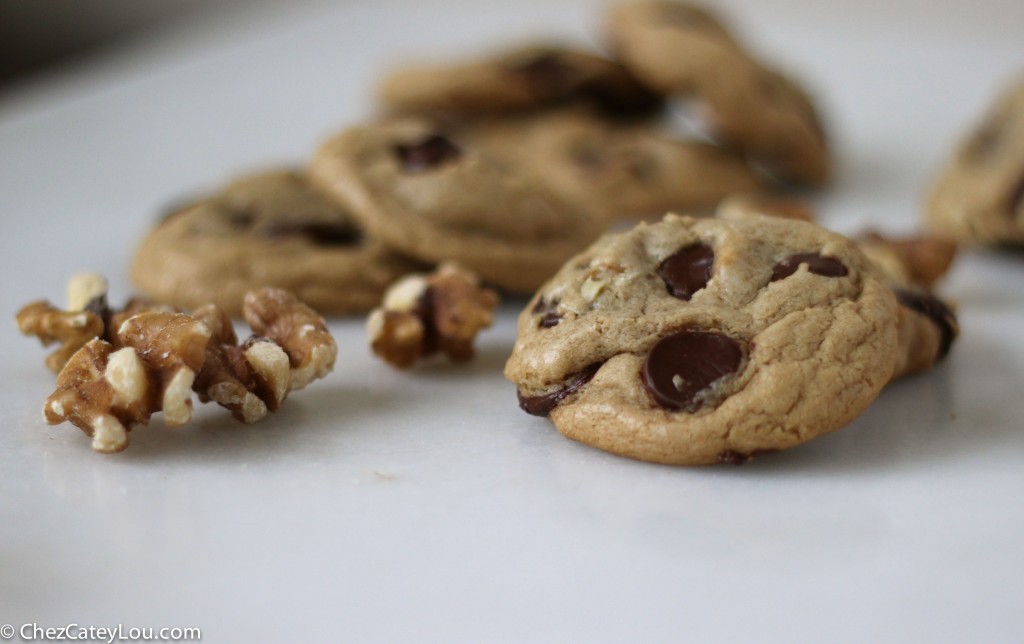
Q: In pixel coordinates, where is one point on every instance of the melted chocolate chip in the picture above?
(318, 233)
(688, 271)
(734, 457)
(683, 366)
(542, 405)
(549, 320)
(932, 307)
(817, 264)
(429, 153)
(551, 317)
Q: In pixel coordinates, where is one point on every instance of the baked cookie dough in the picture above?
(521, 79)
(698, 341)
(267, 229)
(452, 197)
(979, 197)
(622, 170)
(910, 266)
(683, 51)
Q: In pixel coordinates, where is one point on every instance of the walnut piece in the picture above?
(104, 392)
(72, 328)
(279, 316)
(290, 347)
(157, 357)
(914, 261)
(87, 316)
(425, 314)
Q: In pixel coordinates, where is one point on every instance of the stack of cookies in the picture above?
(507, 165)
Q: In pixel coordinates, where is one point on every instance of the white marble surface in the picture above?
(384, 506)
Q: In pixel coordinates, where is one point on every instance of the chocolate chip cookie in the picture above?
(910, 266)
(979, 197)
(683, 51)
(526, 78)
(268, 229)
(621, 170)
(697, 341)
(437, 196)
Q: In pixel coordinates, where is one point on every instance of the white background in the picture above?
(382, 506)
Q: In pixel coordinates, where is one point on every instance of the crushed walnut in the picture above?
(72, 328)
(87, 316)
(426, 314)
(154, 358)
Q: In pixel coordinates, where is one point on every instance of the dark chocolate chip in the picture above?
(549, 320)
(550, 316)
(542, 405)
(733, 457)
(319, 233)
(940, 314)
(817, 264)
(687, 271)
(429, 153)
(683, 366)
(619, 97)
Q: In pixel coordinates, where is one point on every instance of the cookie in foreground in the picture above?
(698, 341)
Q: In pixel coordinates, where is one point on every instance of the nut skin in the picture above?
(422, 315)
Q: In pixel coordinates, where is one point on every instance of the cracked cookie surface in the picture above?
(267, 229)
(696, 341)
